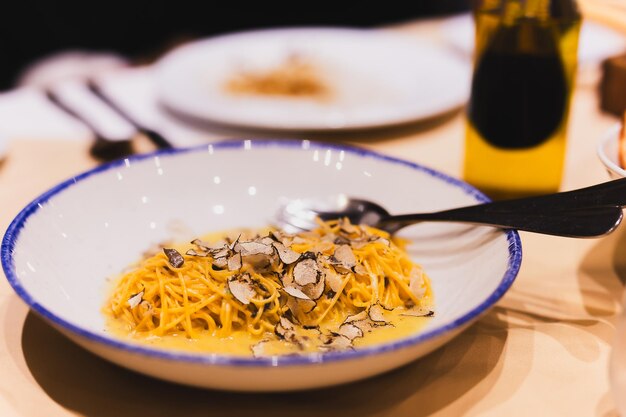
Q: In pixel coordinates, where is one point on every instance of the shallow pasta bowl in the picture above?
(608, 152)
(62, 251)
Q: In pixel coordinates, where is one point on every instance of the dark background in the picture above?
(143, 30)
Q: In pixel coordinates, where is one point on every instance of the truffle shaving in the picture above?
(295, 292)
(359, 269)
(221, 252)
(359, 243)
(365, 321)
(285, 329)
(350, 330)
(174, 257)
(286, 255)
(344, 255)
(316, 289)
(281, 237)
(356, 317)
(419, 312)
(334, 342)
(306, 272)
(341, 240)
(348, 228)
(375, 313)
(253, 248)
(333, 280)
(221, 262)
(287, 324)
(296, 334)
(258, 349)
(234, 262)
(382, 240)
(260, 262)
(299, 306)
(366, 325)
(135, 299)
(322, 247)
(242, 288)
(201, 244)
(416, 283)
(193, 252)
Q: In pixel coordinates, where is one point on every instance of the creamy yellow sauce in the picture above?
(240, 342)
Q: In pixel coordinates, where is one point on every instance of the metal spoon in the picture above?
(588, 212)
(103, 147)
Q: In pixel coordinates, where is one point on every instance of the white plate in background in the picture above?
(377, 78)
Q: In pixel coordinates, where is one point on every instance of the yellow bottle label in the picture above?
(498, 171)
(521, 90)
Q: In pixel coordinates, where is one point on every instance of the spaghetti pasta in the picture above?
(317, 290)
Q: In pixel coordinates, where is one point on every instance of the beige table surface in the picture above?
(542, 351)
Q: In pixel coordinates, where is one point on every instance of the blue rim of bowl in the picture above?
(12, 234)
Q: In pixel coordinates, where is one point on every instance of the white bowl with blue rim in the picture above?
(62, 250)
(608, 152)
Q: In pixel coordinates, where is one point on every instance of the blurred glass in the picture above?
(524, 67)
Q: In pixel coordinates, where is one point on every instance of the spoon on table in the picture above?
(104, 147)
(587, 212)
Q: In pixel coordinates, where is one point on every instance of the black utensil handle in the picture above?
(607, 193)
(577, 222)
(103, 148)
(611, 193)
(110, 150)
(156, 138)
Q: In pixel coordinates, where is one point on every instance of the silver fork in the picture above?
(589, 212)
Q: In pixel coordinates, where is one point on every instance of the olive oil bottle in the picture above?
(525, 62)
